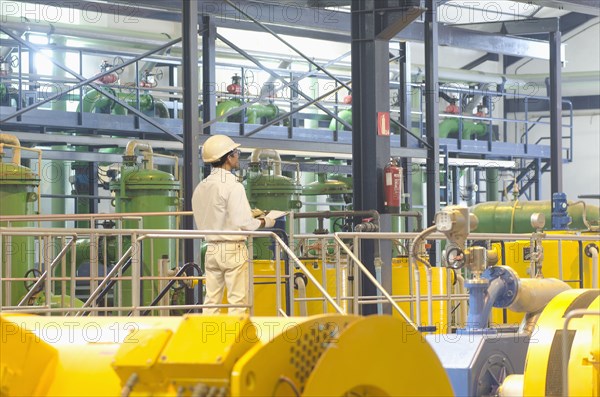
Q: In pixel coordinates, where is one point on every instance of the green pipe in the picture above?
(256, 111)
(160, 109)
(514, 217)
(253, 113)
(345, 115)
(60, 56)
(93, 100)
(470, 130)
(491, 184)
(226, 106)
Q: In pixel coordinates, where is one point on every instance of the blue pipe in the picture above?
(497, 288)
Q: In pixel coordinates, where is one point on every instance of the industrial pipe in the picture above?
(515, 216)
(412, 258)
(144, 148)
(259, 154)
(534, 294)
(584, 214)
(512, 386)
(299, 281)
(15, 144)
(592, 251)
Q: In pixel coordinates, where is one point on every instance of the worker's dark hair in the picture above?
(222, 160)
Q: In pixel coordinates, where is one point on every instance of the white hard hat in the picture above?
(216, 147)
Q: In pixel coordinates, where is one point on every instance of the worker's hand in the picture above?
(269, 223)
(256, 213)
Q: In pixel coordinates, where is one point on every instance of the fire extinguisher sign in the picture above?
(383, 123)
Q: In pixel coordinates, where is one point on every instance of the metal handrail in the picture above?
(34, 289)
(172, 281)
(371, 278)
(76, 217)
(278, 240)
(336, 303)
(108, 277)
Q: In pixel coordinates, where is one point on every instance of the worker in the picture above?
(219, 202)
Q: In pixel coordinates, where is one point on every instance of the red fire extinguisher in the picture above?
(392, 187)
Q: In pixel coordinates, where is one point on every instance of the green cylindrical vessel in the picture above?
(270, 192)
(143, 190)
(18, 194)
(333, 188)
(514, 217)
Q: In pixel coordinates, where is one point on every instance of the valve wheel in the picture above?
(455, 258)
(31, 272)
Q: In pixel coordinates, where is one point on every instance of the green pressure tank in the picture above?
(267, 190)
(514, 216)
(18, 194)
(334, 190)
(272, 192)
(138, 189)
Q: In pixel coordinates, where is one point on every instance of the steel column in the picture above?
(370, 95)
(209, 79)
(556, 172)
(191, 164)
(405, 105)
(432, 114)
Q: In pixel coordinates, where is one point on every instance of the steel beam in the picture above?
(590, 7)
(484, 58)
(209, 72)
(370, 152)
(306, 22)
(405, 104)
(519, 27)
(432, 115)
(191, 173)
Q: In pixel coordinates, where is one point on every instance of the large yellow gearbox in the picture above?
(327, 355)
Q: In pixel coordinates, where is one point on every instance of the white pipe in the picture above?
(301, 294)
(271, 154)
(418, 293)
(429, 296)
(535, 293)
(14, 141)
(512, 386)
(412, 262)
(594, 253)
(144, 148)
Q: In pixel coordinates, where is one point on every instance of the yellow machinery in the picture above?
(265, 288)
(328, 355)
(568, 269)
(401, 285)
(543, 375)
